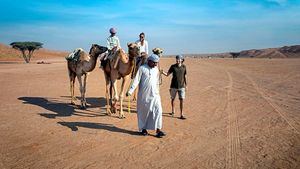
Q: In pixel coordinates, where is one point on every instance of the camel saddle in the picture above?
(75, 55)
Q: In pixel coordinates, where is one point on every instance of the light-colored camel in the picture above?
(157, 51)
(120, 67)
(85, 64)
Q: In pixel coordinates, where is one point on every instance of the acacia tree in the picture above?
(27, 46)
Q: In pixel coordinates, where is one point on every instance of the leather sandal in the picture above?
(160, 134)
(144, 132)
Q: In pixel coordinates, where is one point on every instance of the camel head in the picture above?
(133, 50)
(157, 51)
(96, 50)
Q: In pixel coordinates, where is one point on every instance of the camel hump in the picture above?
(84, 56)
(75, 55)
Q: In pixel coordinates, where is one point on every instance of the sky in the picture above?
(177, 26)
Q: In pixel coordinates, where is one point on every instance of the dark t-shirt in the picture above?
(178, 73)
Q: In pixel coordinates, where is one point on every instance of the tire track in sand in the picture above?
(282, 114)
(233, 137)
(233, 129)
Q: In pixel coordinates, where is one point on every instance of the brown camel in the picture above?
(120, 67)
(86, 63)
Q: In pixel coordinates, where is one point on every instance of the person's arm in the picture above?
(108, 44)
(185, 78)
(164, 73)
(168, 73)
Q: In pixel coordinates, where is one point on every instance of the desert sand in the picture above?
(242, 113)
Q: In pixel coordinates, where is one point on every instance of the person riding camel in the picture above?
(113, 43)
(143, 44)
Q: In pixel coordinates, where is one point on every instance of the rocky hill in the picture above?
(282, 52)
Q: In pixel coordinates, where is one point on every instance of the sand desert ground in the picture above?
(242, 113)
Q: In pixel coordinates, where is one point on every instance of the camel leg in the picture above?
(112, 101)
(124, 82)
(107, 95)
(116, 97)
(72, 82)
(73, 89)
(81, 90)
(84, 90)
(160, 77)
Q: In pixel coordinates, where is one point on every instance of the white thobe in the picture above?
(149, 109)
(143, 48)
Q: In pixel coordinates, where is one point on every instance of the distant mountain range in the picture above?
(282, 52)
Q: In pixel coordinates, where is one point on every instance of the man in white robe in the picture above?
(149, 109)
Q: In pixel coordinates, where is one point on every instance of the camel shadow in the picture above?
(62, 109)
(109, 127)
(93, 102)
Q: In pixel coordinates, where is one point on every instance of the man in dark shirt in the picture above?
(178, 83)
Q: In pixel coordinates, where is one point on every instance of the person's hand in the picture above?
(186, 88)
(128, 94)
(161, 71)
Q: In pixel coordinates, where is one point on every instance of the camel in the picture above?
(86, 63)
(120, 67)
(158, 51)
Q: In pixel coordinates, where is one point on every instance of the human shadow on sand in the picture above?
(62, 109)
(109, 127)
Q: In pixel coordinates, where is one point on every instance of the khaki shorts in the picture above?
(181, 93)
